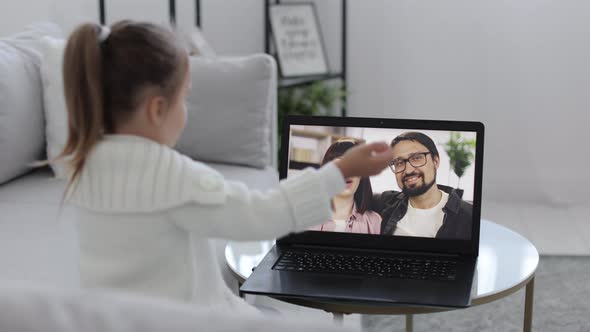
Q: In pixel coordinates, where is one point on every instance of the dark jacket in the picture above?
(393, 205)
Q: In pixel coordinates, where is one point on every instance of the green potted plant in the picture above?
(461, 154)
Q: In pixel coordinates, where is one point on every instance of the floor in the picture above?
(553, 230)
(560, 304)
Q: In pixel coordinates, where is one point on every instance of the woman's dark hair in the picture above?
(106, 79)
(417, 137)
(364, 192)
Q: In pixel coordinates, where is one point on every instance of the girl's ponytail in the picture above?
(105, 76)
(84, 96)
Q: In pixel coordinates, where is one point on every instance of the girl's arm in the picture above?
(297, 203)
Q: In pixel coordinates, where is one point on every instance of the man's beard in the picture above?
(418, 190)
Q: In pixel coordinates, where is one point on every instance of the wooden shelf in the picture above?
(300, 81)
(306, 154)
(315, 134)
(319, 135)
(308, 133)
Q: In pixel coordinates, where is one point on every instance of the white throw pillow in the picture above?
(229, 106)
(56, 120)
(229, 110)
(21, 105)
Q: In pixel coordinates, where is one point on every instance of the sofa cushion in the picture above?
(38, 241)
(231, 104)
(254, 178)
(37, 245)
(229, 110)
(37, 187)
(56, 121)
(21, 105)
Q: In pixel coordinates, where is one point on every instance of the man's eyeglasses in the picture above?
(417, 159)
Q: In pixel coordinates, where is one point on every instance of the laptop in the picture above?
(411, 237)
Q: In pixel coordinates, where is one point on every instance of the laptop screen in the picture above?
(427, 191)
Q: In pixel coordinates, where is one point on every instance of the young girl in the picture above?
(145, 210)
(351, 208)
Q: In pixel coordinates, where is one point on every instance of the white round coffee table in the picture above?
(507, 262)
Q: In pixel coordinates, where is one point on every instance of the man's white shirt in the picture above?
(422, 222)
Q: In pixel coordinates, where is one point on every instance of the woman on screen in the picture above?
(350, 211)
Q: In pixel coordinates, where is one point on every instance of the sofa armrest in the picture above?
(34, 308)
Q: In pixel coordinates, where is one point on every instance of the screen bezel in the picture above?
(366, 241)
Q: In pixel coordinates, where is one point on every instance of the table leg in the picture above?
(338, 318)
(240, 294)
(528, 305)
(409, 323)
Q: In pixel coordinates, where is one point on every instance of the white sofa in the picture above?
(37, 246)
(38, 241)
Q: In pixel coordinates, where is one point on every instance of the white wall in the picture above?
(520, 67)
(233, 27)
(15, 15)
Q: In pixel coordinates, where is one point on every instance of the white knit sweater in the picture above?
(145, 214)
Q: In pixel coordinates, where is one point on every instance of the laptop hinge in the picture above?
(380, 251)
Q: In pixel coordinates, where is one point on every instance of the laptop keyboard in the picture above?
(354, 264)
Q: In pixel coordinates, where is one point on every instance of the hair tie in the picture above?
(104, 33)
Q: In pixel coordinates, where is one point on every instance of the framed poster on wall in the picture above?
(297, 39)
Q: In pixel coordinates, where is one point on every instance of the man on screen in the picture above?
(423, 208)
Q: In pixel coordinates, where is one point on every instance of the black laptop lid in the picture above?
(307, 141)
